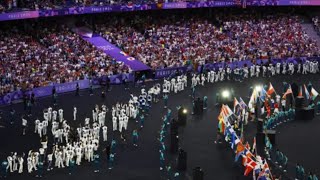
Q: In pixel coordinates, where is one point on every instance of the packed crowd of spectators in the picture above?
(50, 54)
(15, 5)
(316, 24)
(171, 41)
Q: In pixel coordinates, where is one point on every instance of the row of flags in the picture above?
(249, 160)
(263, 94)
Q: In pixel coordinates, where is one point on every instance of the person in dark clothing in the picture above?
(107, 149)
(33, 98)
(24, 101)
(12, 114)
(108, 84)
(103, 94)
(77, 90)
(53, 90)
(91, 90)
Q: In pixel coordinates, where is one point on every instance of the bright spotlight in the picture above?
(225, 94)
(185, 111)
(258, 88)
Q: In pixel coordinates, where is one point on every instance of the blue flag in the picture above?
(263, 94)
(233, 140)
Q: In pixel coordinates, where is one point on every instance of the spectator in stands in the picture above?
(173, 41)
(56, 55)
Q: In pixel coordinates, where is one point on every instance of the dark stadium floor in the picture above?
(197, 138)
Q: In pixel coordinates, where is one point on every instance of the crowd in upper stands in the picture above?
(177, 40)
(49, 54)
(15, 5)
(316, 24)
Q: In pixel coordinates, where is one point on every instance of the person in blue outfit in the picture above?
(171, 174)
(55, 97)
(162, 147)
(135, 137)
(301, 172)
(40, 170)
(111, 161)
(4, 168)
(205, 102)
(141, 121)
(193, 92)
(278, 157)
(113, 146)
(162, 160)
(71, 166)
(143, 78)
(310, 176)
(97, 163)
(169, 112)
(285, 163)
(297, 171)
(165, 99)
(217, 98)
(193, 106)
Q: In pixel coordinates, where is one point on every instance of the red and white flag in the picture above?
(251, 164)
(271, 90)
(289, 91)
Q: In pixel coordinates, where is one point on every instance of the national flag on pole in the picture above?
(263, 94)
(289, 91)
(314, 93)
(226, 111)
(251, 164)
(242, 103)
(262, 176)
(244, 157)
(252, 99)
(248, 146)
(222, 127)
(265, 167)
(271, 90)
(300, 91)
(254, 145)
(264, 171)
(226, 131)
(229, 111)
(307, 92)
(234, 140)
(236, 106)
(239, 151)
